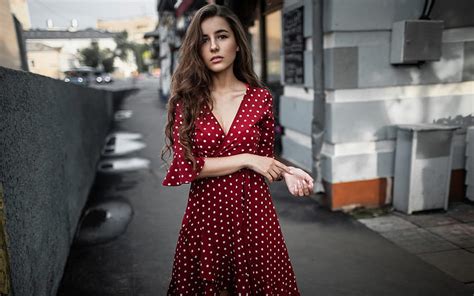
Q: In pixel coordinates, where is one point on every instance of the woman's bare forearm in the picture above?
(220, 166)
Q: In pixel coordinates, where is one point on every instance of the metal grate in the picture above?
(123, 165)
(122, 143)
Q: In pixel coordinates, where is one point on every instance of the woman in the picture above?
(221, 129)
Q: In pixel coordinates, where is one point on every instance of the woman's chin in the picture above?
(219, 68)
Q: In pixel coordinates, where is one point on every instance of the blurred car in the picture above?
(80, 76)
(102, 77)
(76, 80)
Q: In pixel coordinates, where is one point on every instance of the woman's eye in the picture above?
(204, 40)
(222, 36)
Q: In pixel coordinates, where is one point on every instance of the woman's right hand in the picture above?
(269, 167)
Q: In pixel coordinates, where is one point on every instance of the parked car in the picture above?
(102, 77)
(81, 76)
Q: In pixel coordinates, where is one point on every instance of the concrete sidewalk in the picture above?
(332, 253)
(444, 239)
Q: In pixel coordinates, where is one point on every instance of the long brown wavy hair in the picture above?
(191, 80)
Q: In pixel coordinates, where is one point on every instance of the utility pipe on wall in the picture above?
(319, 102)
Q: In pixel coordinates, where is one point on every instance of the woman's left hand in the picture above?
(299, 182)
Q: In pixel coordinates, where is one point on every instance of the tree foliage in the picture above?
(90, 56)
(139, 50)
(123, 45)
(93, 56)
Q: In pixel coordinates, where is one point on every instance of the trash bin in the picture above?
(423, 159)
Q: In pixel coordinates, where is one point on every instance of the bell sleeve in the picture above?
(267, 127)
(181, 169)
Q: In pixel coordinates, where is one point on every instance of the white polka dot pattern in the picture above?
(230, 237)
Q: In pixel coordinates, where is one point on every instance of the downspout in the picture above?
(263, 38)
(319, 101)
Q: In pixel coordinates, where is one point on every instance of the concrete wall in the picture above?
(45, 62)
(51, 136)
(20, 10)
(9, 50)
(367, 96)
(168, 57)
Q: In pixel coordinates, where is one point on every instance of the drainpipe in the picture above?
(319, 102)
(263, 43)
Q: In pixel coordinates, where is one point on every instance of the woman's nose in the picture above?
(214, 45)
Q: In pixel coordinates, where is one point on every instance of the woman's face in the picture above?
(218, 44)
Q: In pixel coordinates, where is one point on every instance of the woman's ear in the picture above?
(238, 48)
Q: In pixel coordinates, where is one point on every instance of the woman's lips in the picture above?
(216, 60)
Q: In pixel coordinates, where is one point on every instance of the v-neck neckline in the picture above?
(236, 114)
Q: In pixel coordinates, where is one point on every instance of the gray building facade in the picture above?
(367, 96)
(340, 91)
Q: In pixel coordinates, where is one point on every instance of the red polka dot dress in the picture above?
(230, 237)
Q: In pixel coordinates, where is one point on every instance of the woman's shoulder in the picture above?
(257, 88)
(260, 94)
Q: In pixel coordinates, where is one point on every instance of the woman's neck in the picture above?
(226, 81)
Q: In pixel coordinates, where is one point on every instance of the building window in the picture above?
(273, 34)
(256, 49)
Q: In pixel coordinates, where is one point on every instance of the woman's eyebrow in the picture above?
(218, 31)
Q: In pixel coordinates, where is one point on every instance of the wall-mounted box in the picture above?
(416, 40)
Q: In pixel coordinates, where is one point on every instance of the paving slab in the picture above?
(418, 240)
(428, 220)
(387, 223)
(461, 235)
(462, 212)
(457, 263)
